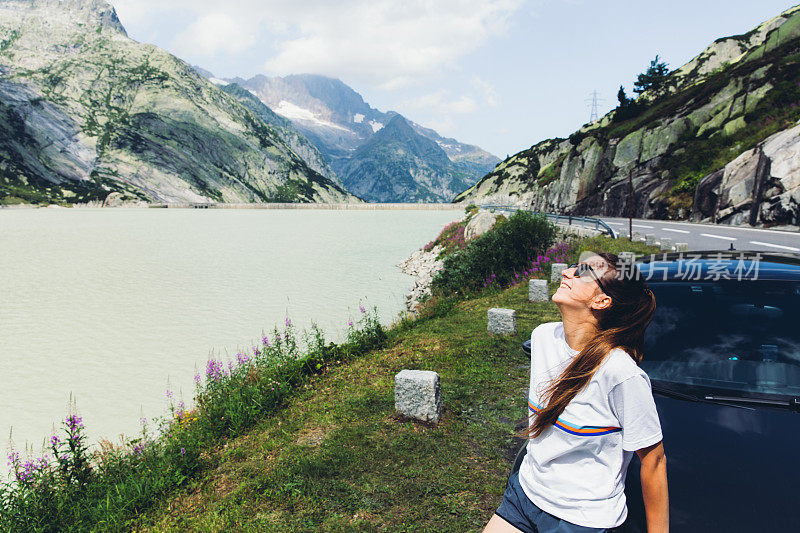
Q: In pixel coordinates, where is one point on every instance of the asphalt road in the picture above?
(713, 236)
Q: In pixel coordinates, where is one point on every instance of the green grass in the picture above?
(338, 458)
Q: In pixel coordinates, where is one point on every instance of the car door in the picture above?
(724, 362)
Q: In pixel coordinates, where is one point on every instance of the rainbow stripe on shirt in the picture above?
(573, 429)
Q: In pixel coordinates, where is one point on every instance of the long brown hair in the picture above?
(621, 325)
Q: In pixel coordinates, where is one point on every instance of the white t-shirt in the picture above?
(575, 470)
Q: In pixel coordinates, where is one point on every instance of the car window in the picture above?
(735, 336)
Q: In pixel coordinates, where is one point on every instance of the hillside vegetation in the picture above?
(723, 112)
(88, 113)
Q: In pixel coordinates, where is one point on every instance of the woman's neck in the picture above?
(578, 332)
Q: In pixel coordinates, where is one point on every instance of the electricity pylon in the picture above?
(593, 101)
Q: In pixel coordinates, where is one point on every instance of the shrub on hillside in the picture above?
(509, 248)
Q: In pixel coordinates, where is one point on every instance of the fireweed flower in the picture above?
(183, 451)
(256, 351)
(362, 309)
(55, 441)
(74, 422)
(13, 460)
(265, 341)
(288, 322)
(169, 394)
(242, 358)
(350, 323)
(197, 378)
(143, 421)
(213, 370)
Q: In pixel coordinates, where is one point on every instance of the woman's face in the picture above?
(582, 292)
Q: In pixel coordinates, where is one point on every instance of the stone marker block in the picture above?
(650, 239)
(418, 394)
(502, 321)
(555, 272)
(666, 244)
(681, 247)
(537, 290)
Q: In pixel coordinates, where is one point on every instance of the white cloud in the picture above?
(439, 109)
(441, 102)
(383, 43)
(214, 33)
(389, 43)
(488, 90)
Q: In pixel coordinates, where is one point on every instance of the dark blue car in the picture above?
(723, 356)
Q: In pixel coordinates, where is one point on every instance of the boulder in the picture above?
(479, 224)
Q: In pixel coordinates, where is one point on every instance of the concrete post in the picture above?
(501, 321)
(555, 272)
(537, 290)
(417, 394)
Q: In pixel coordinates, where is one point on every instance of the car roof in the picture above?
(715, 265)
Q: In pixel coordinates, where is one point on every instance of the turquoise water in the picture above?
(112, 307)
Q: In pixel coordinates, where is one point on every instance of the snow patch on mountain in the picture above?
(445, 146)
(358, 118)
(376, 126)
(295, 112)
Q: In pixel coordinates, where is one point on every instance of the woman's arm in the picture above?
(654, 487)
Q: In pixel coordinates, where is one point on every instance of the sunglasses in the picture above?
(582, 270)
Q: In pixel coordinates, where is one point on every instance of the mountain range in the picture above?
(411, 163)
(718, 142)
(89, 114)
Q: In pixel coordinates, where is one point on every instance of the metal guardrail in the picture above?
(585, 222)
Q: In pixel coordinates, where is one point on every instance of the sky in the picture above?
(501, 74)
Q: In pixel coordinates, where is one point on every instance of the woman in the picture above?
(591, 409)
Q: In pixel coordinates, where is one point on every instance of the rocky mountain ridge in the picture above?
(87, 111)
(726, 103)
(399, 165)
(338, 121)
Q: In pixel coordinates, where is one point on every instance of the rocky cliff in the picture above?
(295, 140)
(87, 111)
(718, 146)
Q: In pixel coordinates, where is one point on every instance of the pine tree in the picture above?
(653, 79)
(624, 101)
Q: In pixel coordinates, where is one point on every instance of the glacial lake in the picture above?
(113, 307)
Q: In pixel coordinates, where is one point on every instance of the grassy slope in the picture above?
(338, 459)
